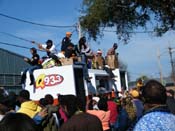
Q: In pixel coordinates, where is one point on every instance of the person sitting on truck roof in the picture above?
(34, 62)
(52, 53)
(50, 48)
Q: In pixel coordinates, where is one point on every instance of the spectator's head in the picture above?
(69, 104)
(102, 104)
(99, 52)
(24, 95)
(82, 41)
(115, 46)
(49, 44)
(33, 50)
(11, 100)
(3, 109)
(68, 34)
(154, 93)
(170, 93)
(134, 93)
(43, 102)
(17, 122)
(3, 94)
(49, 98)
(95, 99)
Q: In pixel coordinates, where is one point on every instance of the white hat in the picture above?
(60, 55)
(99, 51)
(95, 98)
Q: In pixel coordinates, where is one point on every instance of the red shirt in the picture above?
(112, 106)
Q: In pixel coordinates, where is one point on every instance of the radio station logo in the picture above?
(43, 80)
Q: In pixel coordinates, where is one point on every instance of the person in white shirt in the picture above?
(49, 47)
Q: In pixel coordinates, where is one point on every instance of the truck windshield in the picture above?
(102, 81)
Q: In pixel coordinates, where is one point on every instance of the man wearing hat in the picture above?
(67, 46)
(99, 60)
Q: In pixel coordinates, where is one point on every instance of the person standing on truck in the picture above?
(67, 46)
(113, 56)
(34, 62)
(99, 60)
(112, 50)
(83, 49)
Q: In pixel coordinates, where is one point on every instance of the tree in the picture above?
(127, 16)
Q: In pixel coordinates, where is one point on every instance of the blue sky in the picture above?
(139, 54)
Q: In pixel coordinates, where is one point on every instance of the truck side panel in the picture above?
(54, 81)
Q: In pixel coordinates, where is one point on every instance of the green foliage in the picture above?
(143, 78)
(126, 16)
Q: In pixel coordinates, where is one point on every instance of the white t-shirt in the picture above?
(52, 49)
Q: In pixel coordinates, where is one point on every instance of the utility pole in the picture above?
(79, 30)
(160, 66)
(172, 63)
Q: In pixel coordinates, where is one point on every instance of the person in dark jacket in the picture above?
(34, 62)
(67, 46)
(170, 100)
(137, 103)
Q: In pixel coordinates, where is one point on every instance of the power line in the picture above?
(131, 31)
(14, 36)
(8, 44)
(34, 23)
(5, 43)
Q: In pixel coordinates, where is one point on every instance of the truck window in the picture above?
(102, 81)
(123, 80)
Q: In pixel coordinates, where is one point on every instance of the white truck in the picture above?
(69, 79)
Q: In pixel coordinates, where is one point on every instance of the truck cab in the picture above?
(102, 79)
